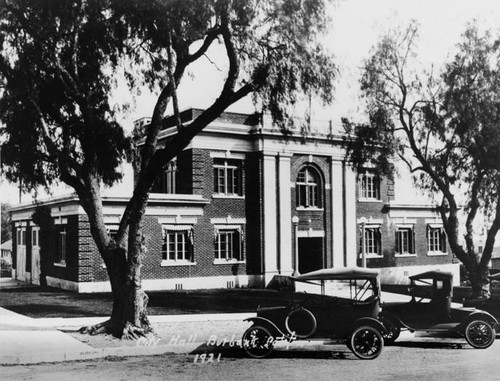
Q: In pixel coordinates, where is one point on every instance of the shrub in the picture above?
(5, 268)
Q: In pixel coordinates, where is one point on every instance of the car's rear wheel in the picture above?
(257, 341)
(366, 342)
(392, 330)
(479, 334)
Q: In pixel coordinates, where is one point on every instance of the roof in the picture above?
(339, 274)
(434, 274)
(7, 245)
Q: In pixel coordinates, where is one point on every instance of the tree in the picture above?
(446, 129)
(6, 223)
(60, 61)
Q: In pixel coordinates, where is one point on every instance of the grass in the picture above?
(48, 302)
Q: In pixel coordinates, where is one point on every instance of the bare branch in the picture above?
(409, 164)
(234, 64)
(173, 81)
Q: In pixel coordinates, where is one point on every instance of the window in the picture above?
(61, 245)
(308, 188)
(227, 245)
(436, 240)
(166, 182)
(371, 241)
(369, 186)
(21, 236)
(35, 237)
(227, 177)
(177, 244)
(405, 241)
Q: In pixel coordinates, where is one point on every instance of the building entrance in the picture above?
(310, 254)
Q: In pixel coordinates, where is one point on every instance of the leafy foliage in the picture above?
(6, 223)
(445, 128)
(54, 103)
(61, 59)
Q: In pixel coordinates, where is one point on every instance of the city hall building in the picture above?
(242, 204)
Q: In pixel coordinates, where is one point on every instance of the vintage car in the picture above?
(344, 309)
(430, 310)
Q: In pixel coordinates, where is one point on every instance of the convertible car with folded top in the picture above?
(343, 309)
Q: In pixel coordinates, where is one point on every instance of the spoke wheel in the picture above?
(479, 334)
(257, 341)
(392, 331)
(366, 342)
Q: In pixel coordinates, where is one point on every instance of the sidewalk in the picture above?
(13, 283)
(23, 341)
(26, 340)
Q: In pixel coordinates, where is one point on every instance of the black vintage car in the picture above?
(430, 310)
(349, 317)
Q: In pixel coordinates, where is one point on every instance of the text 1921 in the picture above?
(207, 358)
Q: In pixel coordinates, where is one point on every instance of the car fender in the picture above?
(395, 319)
(482, 315)
(369, 321)
(273, 328)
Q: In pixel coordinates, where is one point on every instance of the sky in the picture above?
(356, 27)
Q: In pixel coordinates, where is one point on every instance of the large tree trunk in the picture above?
(129, 315)
(476, 265)
(478, 277)
(128, 318)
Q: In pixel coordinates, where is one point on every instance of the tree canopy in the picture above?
(444, 127)
(60, 60)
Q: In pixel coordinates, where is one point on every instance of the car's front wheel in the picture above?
(366, 342)
(257, 341)
(480, 334)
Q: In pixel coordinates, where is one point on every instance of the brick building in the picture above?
(241, 204)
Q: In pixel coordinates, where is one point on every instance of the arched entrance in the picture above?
(310, 200)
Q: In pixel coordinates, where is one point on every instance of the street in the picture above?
(408, 360)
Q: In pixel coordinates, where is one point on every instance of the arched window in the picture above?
(308, 188)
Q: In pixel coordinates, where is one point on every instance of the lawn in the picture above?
(46, 302)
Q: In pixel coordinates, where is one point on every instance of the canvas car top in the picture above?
(338, 274)
(435, 274)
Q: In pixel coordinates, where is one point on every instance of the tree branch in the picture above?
(207, 42)
(234, 64)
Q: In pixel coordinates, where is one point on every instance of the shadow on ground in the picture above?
(46, 302)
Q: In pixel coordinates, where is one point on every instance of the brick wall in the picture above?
(378, 210)
(71, 269)
(203, 235)
(91, 263)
